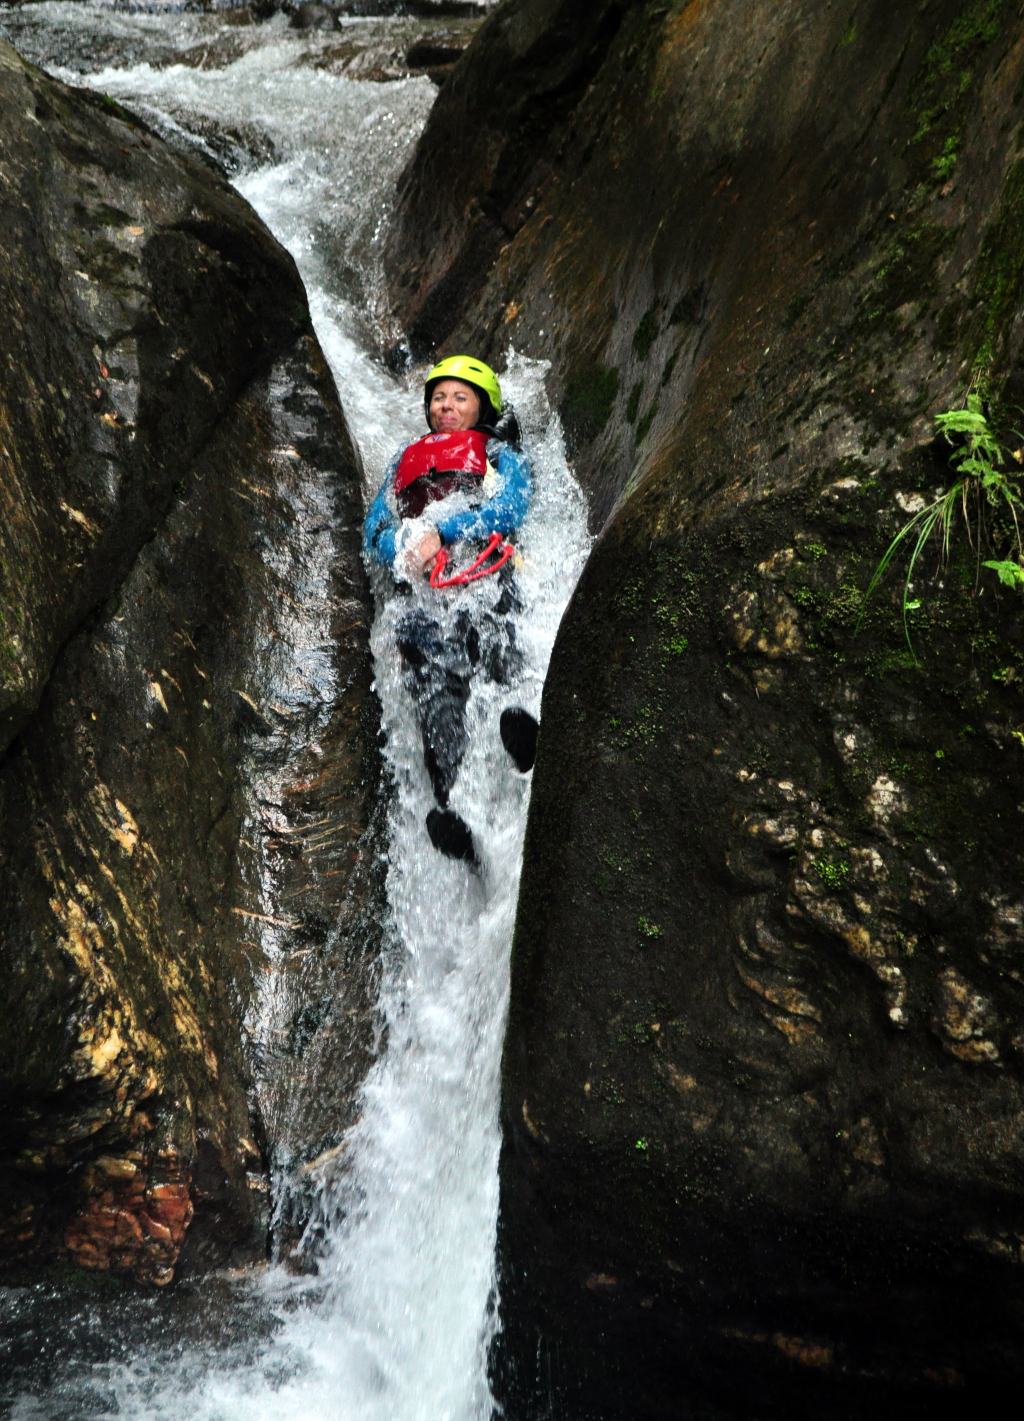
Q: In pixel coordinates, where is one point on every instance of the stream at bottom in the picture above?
(395, 1325)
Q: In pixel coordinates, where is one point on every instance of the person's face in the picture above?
(453, 405)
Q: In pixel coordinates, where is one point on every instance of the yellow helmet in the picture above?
(473, 372)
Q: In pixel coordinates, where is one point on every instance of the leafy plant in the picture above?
(979, 481)
(645, 334)
(1011, 574)
(943, 165)
(832, 872)
(949, 66)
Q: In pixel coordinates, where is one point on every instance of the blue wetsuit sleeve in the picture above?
(381, 523)
(501, 514)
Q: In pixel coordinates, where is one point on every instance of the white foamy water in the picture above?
(396, 1326)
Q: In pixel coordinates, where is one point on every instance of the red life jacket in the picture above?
(437, 465)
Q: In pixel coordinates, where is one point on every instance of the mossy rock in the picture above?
(762, 1087)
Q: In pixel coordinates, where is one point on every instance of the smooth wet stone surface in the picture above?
(763, 1096)
(190, 760)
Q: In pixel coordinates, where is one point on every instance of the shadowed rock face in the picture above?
(188, 730)
(763, 1103)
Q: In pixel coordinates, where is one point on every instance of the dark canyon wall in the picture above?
(763, 1110)
(188, 734)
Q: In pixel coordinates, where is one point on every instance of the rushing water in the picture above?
(395, 1327)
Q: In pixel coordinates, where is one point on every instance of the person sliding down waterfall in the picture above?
(456, 494)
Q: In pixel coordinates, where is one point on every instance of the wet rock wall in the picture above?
(762, 1085)
(189, 754)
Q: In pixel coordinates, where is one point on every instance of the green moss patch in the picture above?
(645, 423)
(795, 310)
(687, 310)
(645, 334)
(999, 284)
(589, 397)
(949, 66)
(908, 270)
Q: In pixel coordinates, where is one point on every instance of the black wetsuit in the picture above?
(441, 654)
(439, 665)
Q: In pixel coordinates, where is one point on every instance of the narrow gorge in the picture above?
(702, 1094)
(761, 1086)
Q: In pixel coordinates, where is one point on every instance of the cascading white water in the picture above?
(396, 1326)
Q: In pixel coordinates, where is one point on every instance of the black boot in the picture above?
(519, 737)
(450, 835)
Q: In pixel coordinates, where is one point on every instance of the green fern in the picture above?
(980, 480)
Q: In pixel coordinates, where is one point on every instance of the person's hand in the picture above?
(420, 555)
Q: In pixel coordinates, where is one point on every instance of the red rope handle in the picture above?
(476, 570)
